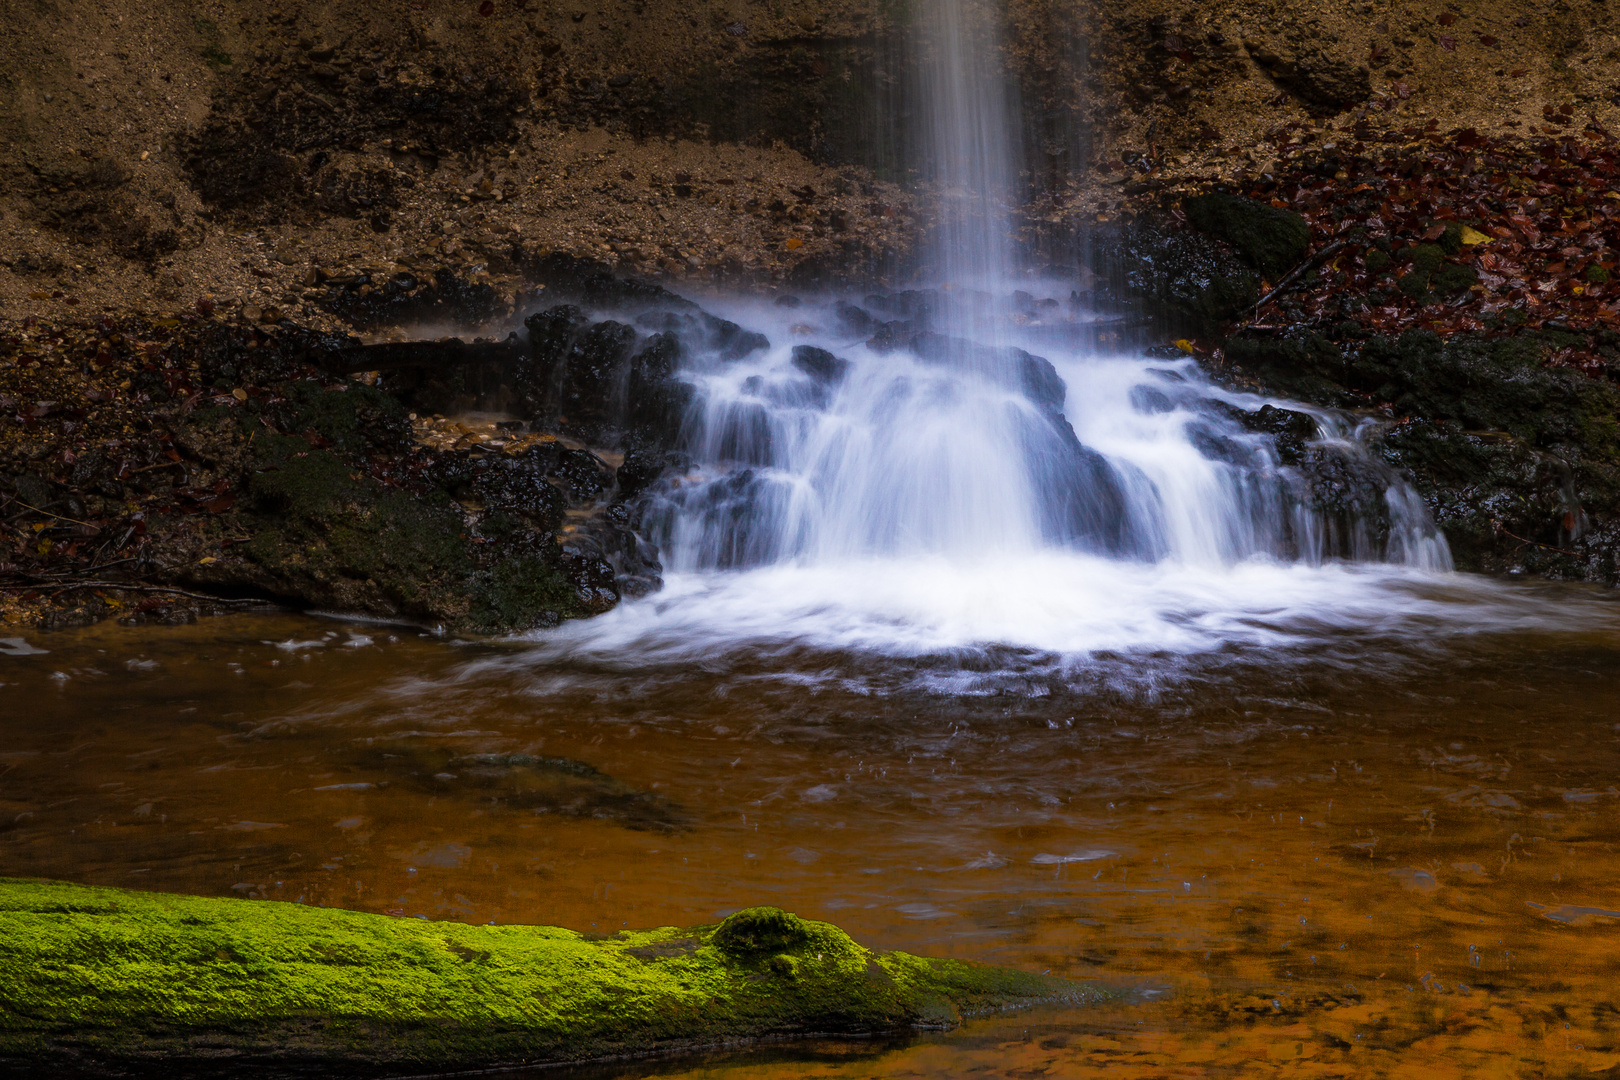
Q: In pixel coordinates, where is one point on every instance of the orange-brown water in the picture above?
(1401, 865)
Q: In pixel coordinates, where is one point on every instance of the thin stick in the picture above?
(135, 588)
(1532, 543)
(1294, 274)
(58, 517)
(70, 573)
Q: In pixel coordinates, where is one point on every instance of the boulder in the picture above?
(1273, 240)
(107, 981)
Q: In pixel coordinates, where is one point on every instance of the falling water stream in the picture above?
(976, 640)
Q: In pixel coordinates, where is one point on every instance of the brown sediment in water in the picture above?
(1320, 871)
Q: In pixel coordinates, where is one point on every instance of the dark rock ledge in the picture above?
(154, 467)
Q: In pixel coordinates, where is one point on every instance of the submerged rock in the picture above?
(108, 980)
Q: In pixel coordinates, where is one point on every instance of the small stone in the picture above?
(49, 98)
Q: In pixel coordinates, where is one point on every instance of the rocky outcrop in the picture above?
(1518, 463)
(1316, 70)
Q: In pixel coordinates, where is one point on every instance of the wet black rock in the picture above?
(593, 284)
(1217, 446)
(1290, 430)
(730, 511)
(1150, 400)
(820, 365)
(656, 400)
(705, 332)
(1033, 376)
(642, 467)
(593, 376)
(1346, 491)
(854, 319)
(1187, 278)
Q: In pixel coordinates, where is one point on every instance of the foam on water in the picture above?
(1070, 605)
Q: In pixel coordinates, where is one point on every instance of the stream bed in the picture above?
(1343, 852)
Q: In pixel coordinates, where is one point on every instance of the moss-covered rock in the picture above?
(113, 979)
(325, 532)
(1273, 240)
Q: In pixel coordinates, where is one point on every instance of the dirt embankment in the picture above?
(157, 153)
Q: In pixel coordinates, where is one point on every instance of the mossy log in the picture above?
(108, 982)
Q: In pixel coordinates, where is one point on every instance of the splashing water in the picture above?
(957, 466)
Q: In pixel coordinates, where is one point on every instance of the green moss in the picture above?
(1450, 240)
(1597, 275)
(1377, 261)
(1273, 239)
(1451, 278)
(1425, 259)
(112, 977)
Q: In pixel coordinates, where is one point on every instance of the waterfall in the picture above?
(969, 144)
(956, 464)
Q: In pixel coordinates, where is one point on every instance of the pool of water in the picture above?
(1375, 849)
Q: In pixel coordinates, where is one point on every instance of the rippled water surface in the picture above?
(1367, 830)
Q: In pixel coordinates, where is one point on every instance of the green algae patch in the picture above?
(116, 978)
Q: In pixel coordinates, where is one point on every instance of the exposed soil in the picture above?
(1150, 93)
(162, 153)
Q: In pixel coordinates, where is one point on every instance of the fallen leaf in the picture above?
(1447, 18)
(1186, 346)
(795, 244)
(205, 560)
(1471, 237)
(1448, 43)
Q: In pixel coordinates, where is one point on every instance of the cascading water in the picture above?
(953, 466)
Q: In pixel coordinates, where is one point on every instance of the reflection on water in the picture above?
(1401, 864)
